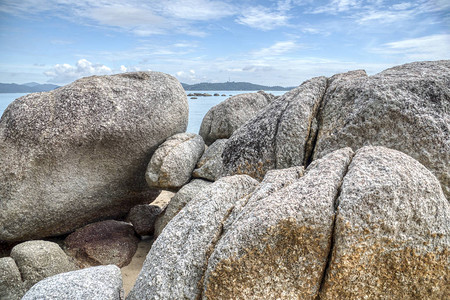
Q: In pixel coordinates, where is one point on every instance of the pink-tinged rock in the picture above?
(103, 243)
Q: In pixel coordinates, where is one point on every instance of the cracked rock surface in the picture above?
(277, 136)
(172, 163)
(79, 152)
(406, 108)
(224, 118)
(176, 262)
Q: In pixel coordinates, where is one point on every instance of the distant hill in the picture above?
(31, 87)
(232, 86)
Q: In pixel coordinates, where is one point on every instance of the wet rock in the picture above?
(96, 283)
(37, 260)
(78, 153)
(173, 162)
(177, 259)
(103, 243)
(210, 165)
(223, 119)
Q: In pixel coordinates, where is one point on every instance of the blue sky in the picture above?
(265, 42)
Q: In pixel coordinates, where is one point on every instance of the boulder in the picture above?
(96, 283)
(210, 165)
(143, 218)
(37, 260)
(392, 233)
(176, 262)
(11, 284)
(277, 247)
(78, 154)
(103, 243)
(224, 118)
(276, 138)
(178, 201)
(173, 162)
(406, 108)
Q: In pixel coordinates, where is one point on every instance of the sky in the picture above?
(264, 42)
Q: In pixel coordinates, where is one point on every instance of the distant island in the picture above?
(30, 87)
(33, 87)
(232, 86)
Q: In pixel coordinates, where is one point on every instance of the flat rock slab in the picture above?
(173, 162)
(103, 243)
(78, 154)
(96, 283)
(37, 260)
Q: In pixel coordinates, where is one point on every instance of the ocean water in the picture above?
(197, 107)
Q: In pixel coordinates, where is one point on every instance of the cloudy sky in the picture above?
(265, 42)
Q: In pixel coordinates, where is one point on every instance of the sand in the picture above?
(131, 271)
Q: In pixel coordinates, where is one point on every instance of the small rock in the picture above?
(173, 162)
(37, 260)
(143, 218)
(96, 283)
(103, 243)
(210, 165)
(11, 284)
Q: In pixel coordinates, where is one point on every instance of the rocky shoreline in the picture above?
(337, 189)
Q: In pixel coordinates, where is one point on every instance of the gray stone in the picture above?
(78, 154)
(210, 165)
(143, 218)
(11, 285)
(178, 201)
(103, 243)
(37, 260)
(392, 234)
(173, 162)
(406, 108)
(277, 247)
(96, 283)
(277, 136)
(224, 118)
(177, 260)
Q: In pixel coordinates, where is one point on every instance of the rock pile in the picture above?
(336, 189)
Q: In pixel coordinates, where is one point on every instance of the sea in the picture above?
(197, 107)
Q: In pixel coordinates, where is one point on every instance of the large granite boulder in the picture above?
(11, 284)
(96, 283)
(210, 165)
(277, 247)
(178, 201)
(173, 162)
(177, 260)
(224, 118)
(37, 260)
(392, 233)
(103, 243)
(406, 108)
(78, 154)
(276, 138)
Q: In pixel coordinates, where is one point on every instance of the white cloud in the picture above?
(199, 10)
(432, 47)
(338, 6)
(123, 68)
(263, 18)
(276, 49)
(63, 73)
